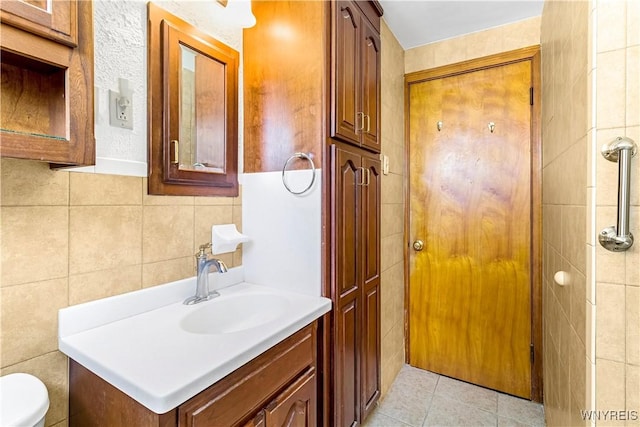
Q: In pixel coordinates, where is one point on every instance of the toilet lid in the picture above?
(23, 400)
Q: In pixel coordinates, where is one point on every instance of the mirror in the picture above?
(202, 144)
(193, 124)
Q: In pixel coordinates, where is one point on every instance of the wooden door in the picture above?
(296, 406)
(470, 287)
(346, 286)
(370, 266)
(346, 120)
(370, 63)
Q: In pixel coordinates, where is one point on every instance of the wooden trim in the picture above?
(531, 53)
(500, 59)
(407, 219)
(536, 230)
(45, 50)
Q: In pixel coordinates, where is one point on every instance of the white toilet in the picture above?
(24, 401)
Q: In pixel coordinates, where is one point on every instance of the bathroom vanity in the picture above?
(277, 385)
(247, 357)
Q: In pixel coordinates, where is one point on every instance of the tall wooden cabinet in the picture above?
(312, 84)
(355, 283)
(47, 81)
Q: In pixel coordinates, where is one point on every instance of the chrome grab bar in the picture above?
(618, 238)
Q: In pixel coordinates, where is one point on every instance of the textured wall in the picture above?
(68, 238)
(392, 220)
(120, 34)
(475, 45)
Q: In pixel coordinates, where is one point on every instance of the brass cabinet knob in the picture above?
(418, 245)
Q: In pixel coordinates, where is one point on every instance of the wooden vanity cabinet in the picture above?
(276, 389)
(355, 108)
(47, 81)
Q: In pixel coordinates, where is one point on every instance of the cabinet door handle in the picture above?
(176, 151)
(368, 176)
(368, 122)
(362, 116)
(362, 181)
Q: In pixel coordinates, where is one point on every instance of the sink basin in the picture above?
(229, 314)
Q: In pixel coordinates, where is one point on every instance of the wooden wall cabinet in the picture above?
(193, 110)
(355, 107)
(355, 287)
(47, 81)
(276, 389)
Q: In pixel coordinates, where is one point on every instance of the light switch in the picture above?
(385, 164)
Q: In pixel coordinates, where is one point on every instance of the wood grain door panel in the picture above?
(470, 288)
(346, 105)
(346, 362)
(371, 78)
(370, 223)
(370, 350)
(347, 254)
(371, 219)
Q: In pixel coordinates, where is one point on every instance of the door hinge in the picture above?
(532, 352)
(530, 96)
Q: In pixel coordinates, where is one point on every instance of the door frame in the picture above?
(531, 53)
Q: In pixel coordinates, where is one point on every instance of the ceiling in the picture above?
(415, 23)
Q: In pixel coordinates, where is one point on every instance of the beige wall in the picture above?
(68, 238)
(475, 45)
(392, 227)
(588, 100)
(616, 74)
(565, 113)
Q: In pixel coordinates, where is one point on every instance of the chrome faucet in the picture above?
(203, 262)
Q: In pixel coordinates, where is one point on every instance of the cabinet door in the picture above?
(370, 65)
(56, 20)
(296, 406)
(370, 265)
(347, 176)
(347, 116)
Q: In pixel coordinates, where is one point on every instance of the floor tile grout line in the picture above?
(411, 372)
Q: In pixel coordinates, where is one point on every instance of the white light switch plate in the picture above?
(385, 164)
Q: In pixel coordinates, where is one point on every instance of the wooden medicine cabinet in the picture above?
(193, 110)
(47, 81)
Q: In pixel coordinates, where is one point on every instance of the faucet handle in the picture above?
(203, 249)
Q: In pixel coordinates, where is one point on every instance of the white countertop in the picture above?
(134, 341)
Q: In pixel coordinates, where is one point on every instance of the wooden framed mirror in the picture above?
(193, 110)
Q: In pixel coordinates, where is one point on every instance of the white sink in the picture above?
(144, 342)
(235, 313)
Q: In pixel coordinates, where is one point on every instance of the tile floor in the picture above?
(420, 398)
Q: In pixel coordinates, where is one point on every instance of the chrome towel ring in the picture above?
(306, 157)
